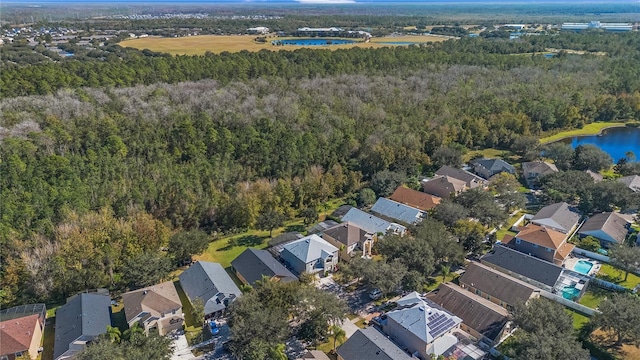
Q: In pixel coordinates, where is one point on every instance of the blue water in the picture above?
(312, 42)
(570, 292)
(549, 56)
(615, 141)
(583, 267)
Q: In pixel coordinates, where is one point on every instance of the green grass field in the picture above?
(505, 229)
(198, 45)
(593, 297)
(617, 276)
(579, 320)
(589, 129)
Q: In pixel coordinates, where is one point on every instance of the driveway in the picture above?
(219, 340)
(358, 300)
(181, 350)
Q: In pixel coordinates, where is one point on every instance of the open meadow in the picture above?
(198, 45)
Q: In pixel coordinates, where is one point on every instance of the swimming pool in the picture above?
(570, 292)
(583, 267)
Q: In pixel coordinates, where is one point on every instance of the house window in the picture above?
(535, 246)
(19, 353)
(548, 249)
(517, 241)
(478, 292)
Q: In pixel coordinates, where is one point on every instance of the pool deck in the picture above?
(571, 262)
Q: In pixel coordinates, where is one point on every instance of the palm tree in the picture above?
(338, 335)
(444, 270)
(114, 334)
(135, 329)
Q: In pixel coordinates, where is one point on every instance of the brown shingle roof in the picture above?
(155, 299)
(417, 199)
(471, 180)
(476, 312)
(499, 285)
(542, 236)
(16, 334)
(346, 233)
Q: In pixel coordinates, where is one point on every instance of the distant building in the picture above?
(397, 211)
(490, 167)
(371, 223)
(560, 217)
(415, 198)
(597, 25)
(21, 329)
(632, 182)
(258, 30)
(533, 171)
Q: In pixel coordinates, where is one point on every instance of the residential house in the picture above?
(253, 265)
(277, 243)
(78, 322)
(608, 227)
(632, 182)
(371, 223)
(529, 269)
(210, 283)
(444, 186)
(543, 243)
(421, 327)
(314, 354)
(471, 180)
(415, 198)
(487, 168)
(156, 308)
(595, 176)
(495, 286)
(559, 217)
(370, 344)
(321, 226)
(21, 329)
(533, 171)
(348, 238)
(481, 318)
(310, 255)
(396, 211)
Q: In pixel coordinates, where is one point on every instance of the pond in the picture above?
(614, 141)
(312, 42)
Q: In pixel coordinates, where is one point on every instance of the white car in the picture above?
(375, 294)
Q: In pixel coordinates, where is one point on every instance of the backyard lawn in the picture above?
(614, 275)
(593, 296)
(507, 226)
(192, 331)
(579, 320)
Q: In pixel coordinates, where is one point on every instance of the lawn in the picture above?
(198, 45)
(487, 153)
(614, 275)
(434, 282)
(192, 331)
(589, 129)
(579, 320)
(593, 296)
(48, 338)
(504, 230)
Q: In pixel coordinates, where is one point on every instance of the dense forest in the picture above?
(95, 178)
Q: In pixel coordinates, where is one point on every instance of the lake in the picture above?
(614, 141)
(312, 42)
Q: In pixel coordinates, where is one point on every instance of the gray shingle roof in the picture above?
(211, 283)
(476, 312)
(539, 167)
(494, 165)
(528, 266)
(82, 315)
(252, 264)
(370, 344)
(371, 223)
(501, 286)
(423, 318)
(610, 223)
(557, 216)
(632, 181)
(310, 248)
(321, 226)
(155, 299)
(397, 211)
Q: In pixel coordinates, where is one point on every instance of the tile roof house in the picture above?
(348, 238)
(396, 211)
(559, 217)
(529, 269)
(487, 168)
(444, 186)
(535, 170)
(209, 282)
(495, 286)
(370, 344)
(481, 318)
(253, 264)
(421, 326)
(632, 182)
(543, 243)
(21, 329)
(415, 198)
(609, 228)
(310, 255)
(156, 308)
(371, 223)
(80, 321)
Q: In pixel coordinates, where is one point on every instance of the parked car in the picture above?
(375, 294)
(213, 327)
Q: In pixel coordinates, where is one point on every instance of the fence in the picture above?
(591, 254)
(568, 303)
(607, 285)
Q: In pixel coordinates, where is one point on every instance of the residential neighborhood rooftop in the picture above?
(415, 198)
(346, 233)
(371, 223)
(557, 216)
(497, 284)
(370, 344)
(155, 300)
(519, 265)
(21, 311)
(608, 226)
(632, 182)
(310, 247)
(397, 211)
(476, 312)
(210, 282)
(471, 180)
(252, 264)
(16, 334)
